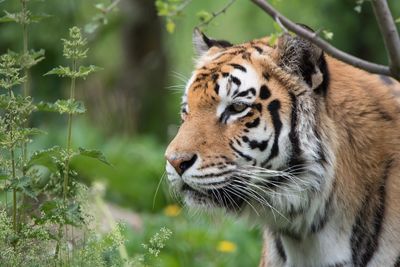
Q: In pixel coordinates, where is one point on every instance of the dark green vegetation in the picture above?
(132, 111)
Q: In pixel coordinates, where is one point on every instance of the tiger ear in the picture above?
(299, 56)
(202, 43)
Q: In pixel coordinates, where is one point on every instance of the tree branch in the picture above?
(313, 37)
(389, 33)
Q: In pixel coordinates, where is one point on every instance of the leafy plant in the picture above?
(44, 189)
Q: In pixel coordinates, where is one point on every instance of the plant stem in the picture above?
(26, 86)
(26, 83)
(14, 191)
(69, 135)
(13, 173)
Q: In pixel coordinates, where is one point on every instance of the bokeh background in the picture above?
(133, 104)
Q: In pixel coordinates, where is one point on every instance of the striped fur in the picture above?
(304, 145)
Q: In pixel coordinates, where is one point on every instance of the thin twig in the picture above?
(312, 37)
(216, 14)
(389, 33)
(112, 6)
(180, 8)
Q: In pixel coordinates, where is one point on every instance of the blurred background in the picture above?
(133, 104)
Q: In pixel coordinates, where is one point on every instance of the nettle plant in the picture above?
(46, 216)
(41, 202)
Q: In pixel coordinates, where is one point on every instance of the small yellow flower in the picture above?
(172, 210)
(226, 246)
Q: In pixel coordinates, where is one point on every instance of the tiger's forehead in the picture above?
(217, 63)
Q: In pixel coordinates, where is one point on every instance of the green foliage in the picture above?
(69, 106)
(74, 49)
(101, 18)
(171, 10)
(204, 15)
(10, 72)
(194, 243)
(327, 34)
(45, 194)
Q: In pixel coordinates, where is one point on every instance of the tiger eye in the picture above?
(238, 107)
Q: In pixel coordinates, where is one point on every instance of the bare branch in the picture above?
(389, 33)
(312, 37)
(216, 14)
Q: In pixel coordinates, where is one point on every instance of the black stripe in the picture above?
(266, 75)
(262, 145)
(273, 108)
(364, 240)
(245, 93)
(259, 49)
(280, 249)
(236, 80)
(338, 264)
(397, 263)
(253, 124)
(321, 221)
(257, 106)
(241, 154)
(239, 67)
(211, 174)
(295, 157)
(264, 92)
(323, 67)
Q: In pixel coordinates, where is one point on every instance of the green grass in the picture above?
(196, 240)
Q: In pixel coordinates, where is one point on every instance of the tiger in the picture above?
(300, 143)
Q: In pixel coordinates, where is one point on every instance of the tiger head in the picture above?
(249, 135)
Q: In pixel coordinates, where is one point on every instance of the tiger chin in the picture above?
(306, 144)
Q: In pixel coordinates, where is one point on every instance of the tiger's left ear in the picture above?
(299, 56)
(202, 43)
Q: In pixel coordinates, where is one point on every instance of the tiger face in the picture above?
(242, 142)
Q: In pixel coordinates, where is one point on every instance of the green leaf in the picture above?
(46, 107)
(49, 206)
(277, 27)
(327, 34)
(204, 16)
(32, 131)
(23, 184)
(46, 158)
(170, 26)
(3, 175)
(69, 106)
(397, 20)
(91, 27)
(85, 71)
(38, 18)
(73, 214)
(9, 17)
(272, 39)
(94, 154)
(61, 71)
(100, 7)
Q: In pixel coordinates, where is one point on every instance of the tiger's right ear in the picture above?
(202, 43)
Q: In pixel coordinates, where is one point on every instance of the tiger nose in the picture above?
(181, 162)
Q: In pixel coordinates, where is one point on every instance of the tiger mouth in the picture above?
(221, 196)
